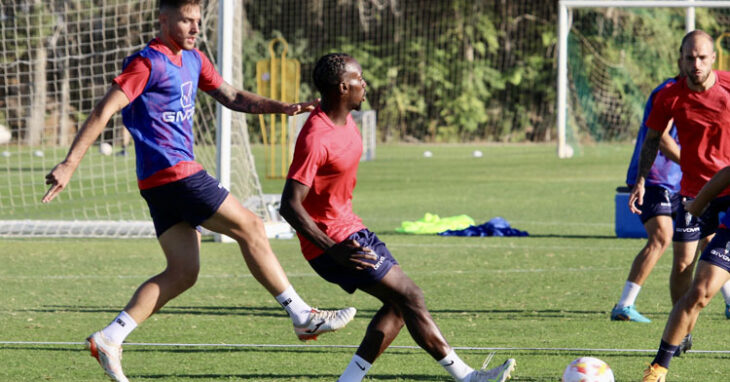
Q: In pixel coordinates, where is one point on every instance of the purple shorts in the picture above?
(658, 201)
(717, 252)
(193, 200)
(350, 279)
(692, 228)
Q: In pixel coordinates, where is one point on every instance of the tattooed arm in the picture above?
(247, 102)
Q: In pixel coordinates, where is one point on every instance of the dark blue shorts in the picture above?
(350, 279)
(717, 252)
(193, 200)
(658, 201)
(692, 228)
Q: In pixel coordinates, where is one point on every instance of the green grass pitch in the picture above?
(529, 297)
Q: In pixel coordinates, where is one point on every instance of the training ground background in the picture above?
(543, 299)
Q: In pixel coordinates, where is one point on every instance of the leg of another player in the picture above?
(382, 330)
(708, 280)
(680, 278)
(398, 290)
(247, 229)
(659, 231)
(181, 246)
(726, 295)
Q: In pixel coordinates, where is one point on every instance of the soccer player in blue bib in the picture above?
(661, 202)
(156, 92)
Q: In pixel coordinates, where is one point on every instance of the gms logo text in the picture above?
(186, 101)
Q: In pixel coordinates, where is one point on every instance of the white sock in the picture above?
(726, 292)
(294, 305)
(120, 328)
(628, 297)
(356, 370)
(455, 366)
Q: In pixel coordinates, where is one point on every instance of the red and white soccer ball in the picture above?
(588, 369)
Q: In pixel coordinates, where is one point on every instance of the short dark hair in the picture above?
(177, 4)
(329, 70)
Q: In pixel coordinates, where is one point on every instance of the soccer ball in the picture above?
(427, 154)
(5, 135)
(588, 369)
(105, 149)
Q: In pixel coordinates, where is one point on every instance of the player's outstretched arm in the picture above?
(348, 254)
(719, 182)
(60, 175)
(646, 159)
(247, 102)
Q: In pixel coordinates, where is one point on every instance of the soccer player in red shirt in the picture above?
(699, 105)
(317, 202)
(156, 93)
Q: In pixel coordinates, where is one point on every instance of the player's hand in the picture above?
(636, 197)
(58, 178)
(351, 255)
(694, 208)
(298, 108)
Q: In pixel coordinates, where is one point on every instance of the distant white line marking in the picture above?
(241, 276)
(142, 344)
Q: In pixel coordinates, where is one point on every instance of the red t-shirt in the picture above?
(326, 157)
(133, 81)
(703, 129)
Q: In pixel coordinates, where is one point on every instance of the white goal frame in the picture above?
(227, 136)
(564, 21)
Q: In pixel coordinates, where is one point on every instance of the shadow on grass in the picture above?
(275, 311)
(272, 311)
(282, 376)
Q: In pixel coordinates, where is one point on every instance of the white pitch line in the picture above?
(301, 275)
(511, 246)
(299, 346)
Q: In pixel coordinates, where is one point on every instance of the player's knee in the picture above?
(184, 277)
(698, 297)
(660, 241)
(248, 227)
(682, 267)
(413, 297)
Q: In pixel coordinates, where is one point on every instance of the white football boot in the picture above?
(108, 354)
(323, 321)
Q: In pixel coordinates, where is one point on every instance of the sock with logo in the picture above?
(664, 354)
(356, 370)
(120, 328)
(455, 366)
(628, 297)
(294, 305)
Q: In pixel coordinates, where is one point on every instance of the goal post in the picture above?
(57, 60)
(565, 20)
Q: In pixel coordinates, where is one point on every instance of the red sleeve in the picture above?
(660, 112)
(134, 77)
(209, 77)
(309, 155)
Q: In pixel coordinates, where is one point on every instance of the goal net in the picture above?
(57, 59)
(616, 54)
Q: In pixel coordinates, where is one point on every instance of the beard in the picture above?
(700, 79)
